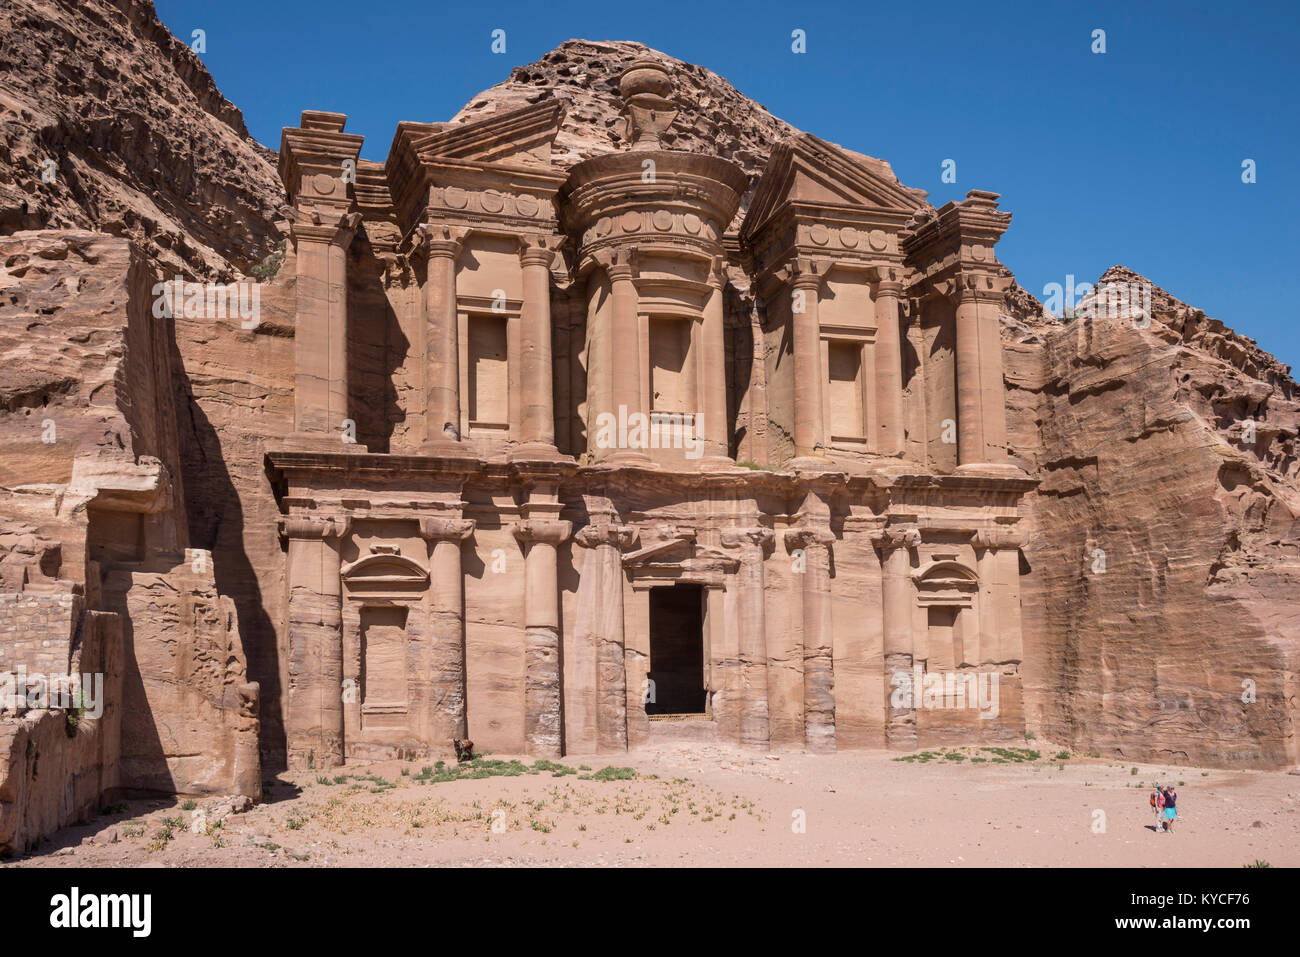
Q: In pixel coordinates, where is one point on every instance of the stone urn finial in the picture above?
(645, 87)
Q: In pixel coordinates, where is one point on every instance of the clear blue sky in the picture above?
(1132, 156)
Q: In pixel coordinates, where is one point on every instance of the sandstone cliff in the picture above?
(109, 122)
(1163, 600)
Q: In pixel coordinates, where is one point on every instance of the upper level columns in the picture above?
(320, 345)
(624, 349)
(442, 346)
(805, 287)
(713, 384)
(889, 361)
(535, 374)
(318, 166)
(981, 398)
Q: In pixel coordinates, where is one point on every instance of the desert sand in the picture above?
(716, 806)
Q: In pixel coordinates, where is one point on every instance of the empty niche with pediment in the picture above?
(947, 596)
(381, 589)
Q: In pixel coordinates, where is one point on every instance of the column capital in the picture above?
(547, 531)
(446, 529)
(999, 536)
(803, 273)
(887, 275)
(897, 536)
(606, 533)
(619, 264)
(808, 535)
(717, 277)
(315, 526)
(977, 287)
(314, 225)
(738, 537)
(438, 240)
(538, 250)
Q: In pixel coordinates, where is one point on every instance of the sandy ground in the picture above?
(718, 806)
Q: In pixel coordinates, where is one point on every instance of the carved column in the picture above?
(818, 664)
(889, 362)
(625, 359)
(447, 607)
(805, 285)
(442, 358)
(970, 401)
(616, 687)
(896, 544)
(989, 298)
(320, 345)
(998, 566)
(752, 543)
(314, 707)
(981, 398)
(535, 366)
(713, 378)
(541, 540)
(314, 162)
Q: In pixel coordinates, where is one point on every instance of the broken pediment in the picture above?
(809, 171)
(520, 137)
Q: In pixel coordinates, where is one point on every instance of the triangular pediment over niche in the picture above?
(806, 169)
(516, 137)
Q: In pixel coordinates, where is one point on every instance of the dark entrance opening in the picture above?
(677, 650)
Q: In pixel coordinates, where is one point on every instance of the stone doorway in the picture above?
(677, 650)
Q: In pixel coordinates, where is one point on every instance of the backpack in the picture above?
(1153, 798)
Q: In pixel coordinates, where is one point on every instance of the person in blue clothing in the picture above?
(1171, 808)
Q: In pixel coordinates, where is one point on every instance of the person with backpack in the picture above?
(1158, 806)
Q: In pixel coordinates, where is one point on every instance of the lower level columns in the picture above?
(541, 540)
(620, 681)
(749, 698)
(314, 705)
(896, 544)
(818, 664)
(447, 610)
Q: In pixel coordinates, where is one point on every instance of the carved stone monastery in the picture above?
(558, 552)
(613, 412)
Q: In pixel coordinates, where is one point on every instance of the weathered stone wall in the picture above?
(36, 630)
(58, 766)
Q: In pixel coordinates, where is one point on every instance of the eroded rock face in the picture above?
(1164, 596)
(109, 122)
(94, 545)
